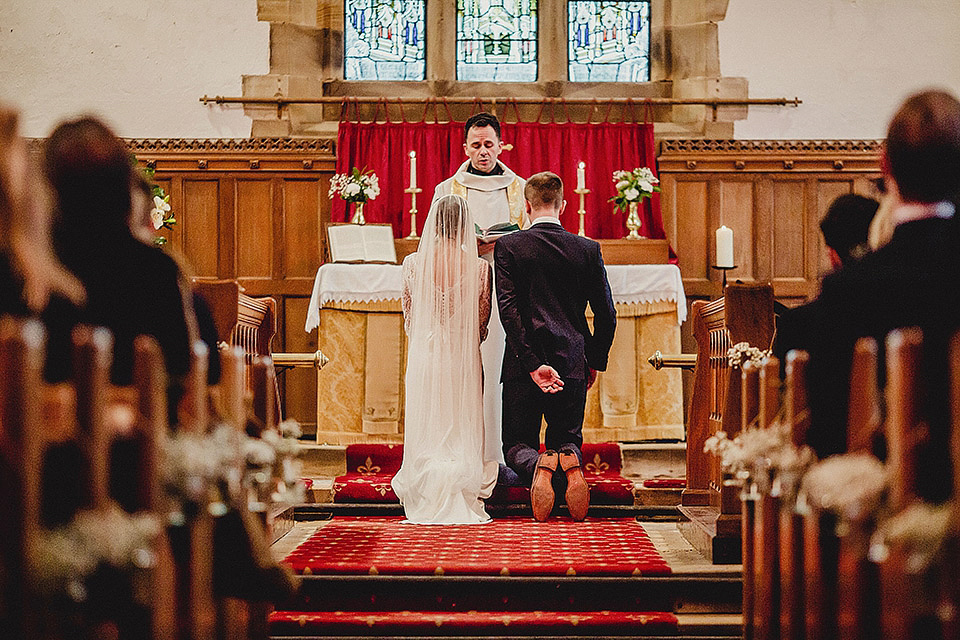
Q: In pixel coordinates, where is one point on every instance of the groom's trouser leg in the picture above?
(563, 412)
(522, 416)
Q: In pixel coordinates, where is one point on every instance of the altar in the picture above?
(360, 394)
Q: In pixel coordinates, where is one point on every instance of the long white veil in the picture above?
(443, 475)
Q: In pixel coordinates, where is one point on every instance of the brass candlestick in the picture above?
(413, 211)
(582, 212)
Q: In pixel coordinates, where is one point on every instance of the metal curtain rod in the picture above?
(712, 102)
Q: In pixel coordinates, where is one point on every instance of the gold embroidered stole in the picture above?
(514, 198)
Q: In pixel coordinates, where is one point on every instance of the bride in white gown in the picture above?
(446, 307)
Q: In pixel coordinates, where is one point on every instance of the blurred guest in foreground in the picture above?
(32, 280)
(913, 280)
(132, 288)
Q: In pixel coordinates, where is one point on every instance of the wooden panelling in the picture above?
(772, 193)
(198, 222)
(788, 222)
(301, 224)
(254, 228)
(735, 208)
(298, 386)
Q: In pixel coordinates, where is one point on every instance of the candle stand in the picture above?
(413, 211)
(581, 211)
(724, 270)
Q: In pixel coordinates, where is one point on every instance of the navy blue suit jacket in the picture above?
(545, 277)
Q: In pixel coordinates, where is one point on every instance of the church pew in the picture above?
(744, 314)
(250, 323)
(899, 587)
(797, 416)
(58, 450)
(858, 579)
(864, 409)
(760, 411)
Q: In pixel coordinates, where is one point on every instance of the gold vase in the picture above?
(633, 221)
(358, 214)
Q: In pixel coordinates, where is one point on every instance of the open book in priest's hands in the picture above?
(493, 232)
(361, 243)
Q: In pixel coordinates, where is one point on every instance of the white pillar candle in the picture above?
(413, 169)
(724, 247)
(581, 176)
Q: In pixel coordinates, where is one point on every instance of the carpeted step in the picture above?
(371, 467)
(512, 546)
(481, 623)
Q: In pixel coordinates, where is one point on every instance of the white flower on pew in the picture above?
(194, 464)
(741, 353)
(852, 486)
(64, 558)
(755, 449)
(922, 529)
(273, 465)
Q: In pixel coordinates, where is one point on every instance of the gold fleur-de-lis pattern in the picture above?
(597, 466)
(368, 467)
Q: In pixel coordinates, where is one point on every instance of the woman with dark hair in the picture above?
(132, 288)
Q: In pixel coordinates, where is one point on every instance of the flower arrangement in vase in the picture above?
(356, 186)
(632, 188)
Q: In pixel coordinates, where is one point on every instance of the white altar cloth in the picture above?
(629, 284)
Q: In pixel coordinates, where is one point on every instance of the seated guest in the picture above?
(32, 280)
(844, 229)
(132, 288)
(913, 280)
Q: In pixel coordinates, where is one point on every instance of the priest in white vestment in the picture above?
(495, 195)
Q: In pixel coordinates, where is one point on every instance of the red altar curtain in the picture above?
(558, 147)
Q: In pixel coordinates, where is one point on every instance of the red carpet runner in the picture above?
(506, 546)
(492, 623)
(510, 549)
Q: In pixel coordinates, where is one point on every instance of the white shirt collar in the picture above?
(921, 211)
(546, 219)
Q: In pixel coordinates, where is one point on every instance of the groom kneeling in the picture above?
(545, 276)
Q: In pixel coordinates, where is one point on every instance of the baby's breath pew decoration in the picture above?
(201, 468)
(65, 559)
(741, 353)
(759, 454)
(852, 486)
(273, 464)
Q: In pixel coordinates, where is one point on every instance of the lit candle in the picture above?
(581, 176)
(413, 169)
(724, 247)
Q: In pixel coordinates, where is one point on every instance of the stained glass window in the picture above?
(384, 40)
(497, 40)
(609, 41)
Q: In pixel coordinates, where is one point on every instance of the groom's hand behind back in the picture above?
(547, 378)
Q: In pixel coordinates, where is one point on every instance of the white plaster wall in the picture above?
(144, 65)
(141, 65)
(850, 61)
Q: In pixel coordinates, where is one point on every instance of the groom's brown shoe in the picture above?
(578, 493)
(541, 491)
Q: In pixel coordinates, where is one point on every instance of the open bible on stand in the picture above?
(495, 231)
(361, 243)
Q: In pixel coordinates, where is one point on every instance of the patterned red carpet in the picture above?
(486, 623)
(371, 467)
(516, 546)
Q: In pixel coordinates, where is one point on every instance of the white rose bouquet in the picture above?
(634, 186)
(356, 186)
